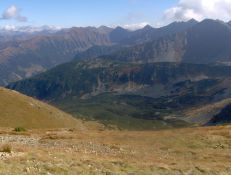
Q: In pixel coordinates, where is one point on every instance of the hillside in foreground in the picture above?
(17, 110)
(196, 151)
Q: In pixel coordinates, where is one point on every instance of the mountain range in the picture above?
(204, 42)
(27, 55)
(144, 79)
(23, 58)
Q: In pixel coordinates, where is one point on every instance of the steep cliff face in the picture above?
(208, 42)
(165, 49)
(148, 33)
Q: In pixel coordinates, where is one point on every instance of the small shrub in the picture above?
(19, 129)
(72, 130)
(6, 148)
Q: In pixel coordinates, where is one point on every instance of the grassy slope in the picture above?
(203, 114)
(17, 110)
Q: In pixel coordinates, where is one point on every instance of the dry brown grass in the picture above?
(226, 134)
(181, 151)
(6, 148)
(54, 136)
(26, 112)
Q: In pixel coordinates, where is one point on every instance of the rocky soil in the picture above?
(181, 151)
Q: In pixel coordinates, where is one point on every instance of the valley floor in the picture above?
(181, 151)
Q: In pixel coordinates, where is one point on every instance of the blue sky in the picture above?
(127, 13)
(86, 12)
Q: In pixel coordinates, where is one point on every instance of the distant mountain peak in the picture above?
(104, 29)
(192, 21)
(213, 23)
(119, 28)
(118, 34)
(148, 27)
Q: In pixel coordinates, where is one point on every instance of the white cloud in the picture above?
(13, 13)
(8, 27)
(199, 10)
(135, 26)
(30, 29)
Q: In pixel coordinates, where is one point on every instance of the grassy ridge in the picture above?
(17, 110)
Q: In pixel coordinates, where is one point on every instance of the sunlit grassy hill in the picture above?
(17, 110)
